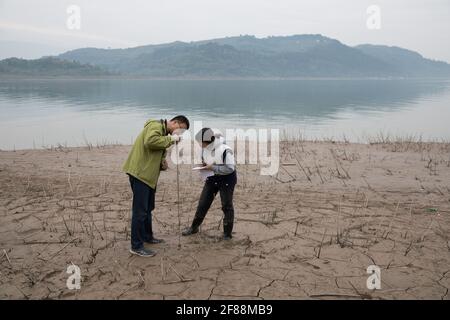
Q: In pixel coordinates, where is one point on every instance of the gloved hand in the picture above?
(176, 138)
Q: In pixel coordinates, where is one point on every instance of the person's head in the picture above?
(177, 123)
(204, 137)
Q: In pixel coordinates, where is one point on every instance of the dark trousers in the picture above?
(225, 186)
(141, 220)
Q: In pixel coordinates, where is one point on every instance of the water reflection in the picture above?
(289, 103)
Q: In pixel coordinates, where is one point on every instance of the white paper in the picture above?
(204, 173)
(198, 168)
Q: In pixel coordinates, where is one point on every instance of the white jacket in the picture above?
(213, 154)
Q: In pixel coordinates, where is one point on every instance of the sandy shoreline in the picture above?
(310, 232)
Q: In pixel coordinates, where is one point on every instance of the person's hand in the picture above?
(164, 165)
(175, 138)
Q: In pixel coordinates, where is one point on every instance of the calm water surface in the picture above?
(37, 113)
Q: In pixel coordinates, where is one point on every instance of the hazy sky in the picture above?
(33, 28)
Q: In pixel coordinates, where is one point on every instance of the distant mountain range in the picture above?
(49, 67)
(248, 56)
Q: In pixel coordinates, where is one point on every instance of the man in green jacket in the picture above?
(144, 163)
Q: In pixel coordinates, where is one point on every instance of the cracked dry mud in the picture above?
(308, 233)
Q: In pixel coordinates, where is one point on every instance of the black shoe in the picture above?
(227, 237)
(143, 252)
(189, 231)
(155, 241)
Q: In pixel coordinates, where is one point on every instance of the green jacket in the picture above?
(149, 149)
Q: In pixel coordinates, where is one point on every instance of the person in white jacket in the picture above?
(219, 158)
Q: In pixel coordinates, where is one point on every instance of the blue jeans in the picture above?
(141, 219)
